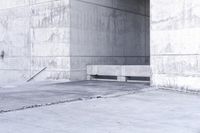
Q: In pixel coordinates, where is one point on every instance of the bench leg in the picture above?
(122, 79)
(89, 77)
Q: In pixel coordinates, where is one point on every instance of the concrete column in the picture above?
(175, 43)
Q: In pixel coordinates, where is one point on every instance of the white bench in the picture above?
(121, 72)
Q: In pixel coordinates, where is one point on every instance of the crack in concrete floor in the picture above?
(36, 95)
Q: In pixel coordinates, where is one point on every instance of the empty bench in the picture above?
(119, 72)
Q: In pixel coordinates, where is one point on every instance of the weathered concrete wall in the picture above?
(67, 35)
(108, 32)
(34, 34)
(175, 43)
(14, 32)
(50, 38)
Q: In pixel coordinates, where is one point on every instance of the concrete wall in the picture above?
(34, 34)
(107, 32)
(14, 32)
(50, 39)
(67, 35)
(175, 43)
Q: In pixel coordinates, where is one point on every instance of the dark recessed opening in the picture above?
(104, 77)
(139, 78)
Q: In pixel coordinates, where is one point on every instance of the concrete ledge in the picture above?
(109, 70)
(136, 70)
(120, 71)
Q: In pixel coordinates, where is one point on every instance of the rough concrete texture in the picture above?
(66, 35)
(175, 43)
(25, 96)
(34, 34)
(108, 32)
(153, 111)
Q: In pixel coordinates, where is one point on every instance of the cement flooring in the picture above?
(152, 111)
(33, 95)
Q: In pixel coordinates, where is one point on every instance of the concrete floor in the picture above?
(147, 111)
(45, 93)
